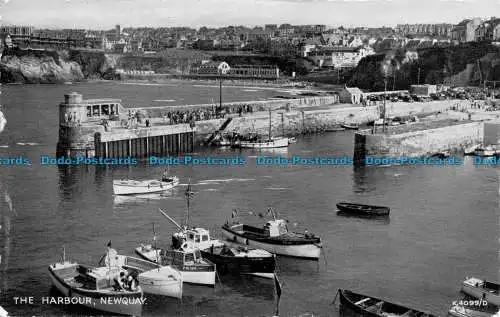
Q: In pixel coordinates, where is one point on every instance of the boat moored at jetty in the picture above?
(375, 307)
(274, 237)
(362, 210)
(270, 143)
(482, 289)
(134, 187)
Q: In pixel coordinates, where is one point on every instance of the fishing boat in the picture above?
(94, 288)
(183, 255)
(265, 143)
(274, 237)
(155, 279)
(362, 210)
(350, 126)
(193, 268)
(134, 187)
(482, 289)
(375, 307)
(238, 259)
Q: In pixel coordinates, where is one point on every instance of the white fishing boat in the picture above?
(94, 288)
(274, 237)
(265, 143)
(156, 279)
(482, 289)
(191, 265)
(133, 187)
(270, 143)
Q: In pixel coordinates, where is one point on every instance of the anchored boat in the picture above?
(375, 307)
(94, 288)
(482, 289)
(362, 210)
(238, 259)
(274, 237)
(265, 143)
(134, 187)
(193, 268)
(3, 312)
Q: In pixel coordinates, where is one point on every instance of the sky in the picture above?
(105, 14)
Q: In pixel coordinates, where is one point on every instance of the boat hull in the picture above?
(158, 282)
(258, 266)
(191, 277)
(306, 251)
(123, 304)
(479, 293)
(142, 187)
(275, 143)
(363, 210)
(387, 308)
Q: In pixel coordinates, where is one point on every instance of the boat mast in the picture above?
(269, 123)
(188, 194)
(156, 250)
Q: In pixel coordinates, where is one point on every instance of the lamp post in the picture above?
(222, 69)
(385, 99)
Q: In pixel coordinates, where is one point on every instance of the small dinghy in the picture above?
(362, 210)
(134, 187)
(482, 289)
(238, 259)
(274, 237)
(441, 155)
(375, 307)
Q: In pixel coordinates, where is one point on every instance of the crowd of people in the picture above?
(189, 116)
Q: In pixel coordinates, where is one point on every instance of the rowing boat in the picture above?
(362, 210)
(375, 307)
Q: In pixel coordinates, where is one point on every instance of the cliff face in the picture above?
(38, 68)
(465, 64)
(50, 67)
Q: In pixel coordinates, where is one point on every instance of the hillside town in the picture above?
(327, 48)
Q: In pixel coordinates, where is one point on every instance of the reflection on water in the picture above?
(383, 220)
(144, 198)
(249, 286)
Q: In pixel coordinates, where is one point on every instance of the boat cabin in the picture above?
(194, 235)
(275, 228)
(181, 258)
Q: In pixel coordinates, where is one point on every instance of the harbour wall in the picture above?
(305, 120)
(288, 117)
(257, 105)
(455, 137)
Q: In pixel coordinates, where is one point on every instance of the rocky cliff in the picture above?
(461, 65)
(47, 67)
(38, 67)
